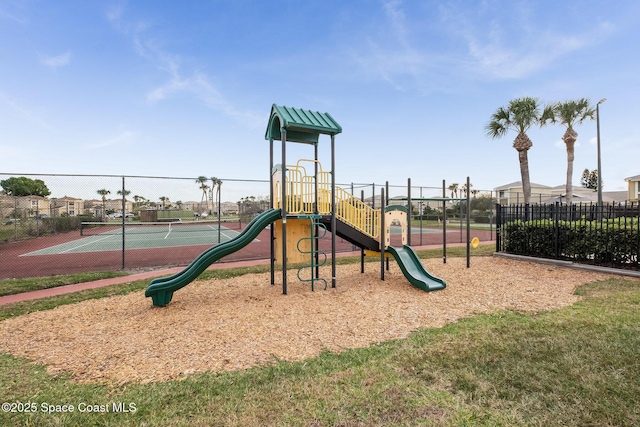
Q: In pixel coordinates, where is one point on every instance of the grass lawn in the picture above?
(575, 366)
(29, 284)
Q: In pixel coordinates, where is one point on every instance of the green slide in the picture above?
(414, 271)
(161, 289)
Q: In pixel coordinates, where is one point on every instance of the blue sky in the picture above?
(184, 89)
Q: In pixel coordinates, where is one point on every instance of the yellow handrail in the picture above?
(302, 190)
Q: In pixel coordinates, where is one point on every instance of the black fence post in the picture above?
(556, 229)
(498, 227)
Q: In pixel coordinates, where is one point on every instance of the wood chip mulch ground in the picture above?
(235, 324)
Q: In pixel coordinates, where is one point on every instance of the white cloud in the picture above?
(56, 61)
(22, 112)
(193, 83)
(392, 56)
(470, 42)
(123, 138)
(14, 11)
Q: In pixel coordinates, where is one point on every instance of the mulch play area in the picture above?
(221, 325)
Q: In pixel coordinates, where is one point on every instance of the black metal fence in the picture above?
(606, 235)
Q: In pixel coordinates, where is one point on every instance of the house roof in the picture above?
(518, 184)
(617, 196)
(590, 196)
(633, 178)
(300, 125)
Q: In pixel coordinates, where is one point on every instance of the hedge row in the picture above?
(614, 242)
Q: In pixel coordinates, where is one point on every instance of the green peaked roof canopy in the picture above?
(301, 125)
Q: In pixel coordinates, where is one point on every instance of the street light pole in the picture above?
(599, 157)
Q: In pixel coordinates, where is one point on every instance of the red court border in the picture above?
(13, 265)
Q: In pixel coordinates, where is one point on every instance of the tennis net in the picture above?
(89, 228)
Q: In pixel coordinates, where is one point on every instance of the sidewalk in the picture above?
(60, 290)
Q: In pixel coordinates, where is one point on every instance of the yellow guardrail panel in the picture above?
(306, 193)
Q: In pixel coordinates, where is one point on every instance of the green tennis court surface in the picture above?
(141, 236)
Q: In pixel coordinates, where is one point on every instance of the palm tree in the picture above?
(202, 180)
(124, 194)
(164, 200)
(137, 201)
(103, 192)
(519, 115)
(215, 184)
(465, 189)
(454, 189)
(571, 113)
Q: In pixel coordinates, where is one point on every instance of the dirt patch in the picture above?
(235, 324)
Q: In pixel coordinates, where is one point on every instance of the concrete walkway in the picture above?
(60, 290)
(571, 264)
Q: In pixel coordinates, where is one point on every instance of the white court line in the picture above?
(85, 244)
(230, 238)
(236, 235)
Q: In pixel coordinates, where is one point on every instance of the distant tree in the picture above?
(138, 201)
(124, 194)
(482, 203)
(23, 186)
(215, 185)
(164, 201)
(179, 203)
(519, 115)
(202, 180)
(590, 179)
(571, 113)
(465, 189)
(104, 192)
(454, 189)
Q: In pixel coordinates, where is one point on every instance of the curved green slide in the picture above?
(414, 271)
(161, 289)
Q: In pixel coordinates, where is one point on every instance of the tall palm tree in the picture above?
(103, 192)
(202, 180)
(164, 200)
(215, 184)
(465, 189)
(137, 201)
(519, 115)
(124, 195)
(454, 189)
(571, 113)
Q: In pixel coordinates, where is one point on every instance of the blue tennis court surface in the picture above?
(142, 237)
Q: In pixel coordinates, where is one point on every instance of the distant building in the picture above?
(512, 194)
(633, 183)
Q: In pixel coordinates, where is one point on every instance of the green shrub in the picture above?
(610, 242)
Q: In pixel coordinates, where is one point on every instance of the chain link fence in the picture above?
(80, 223)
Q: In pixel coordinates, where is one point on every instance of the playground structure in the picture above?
(305, 203)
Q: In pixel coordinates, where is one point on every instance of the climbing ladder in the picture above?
(313, 252)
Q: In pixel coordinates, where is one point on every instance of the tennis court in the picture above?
(100, 237)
